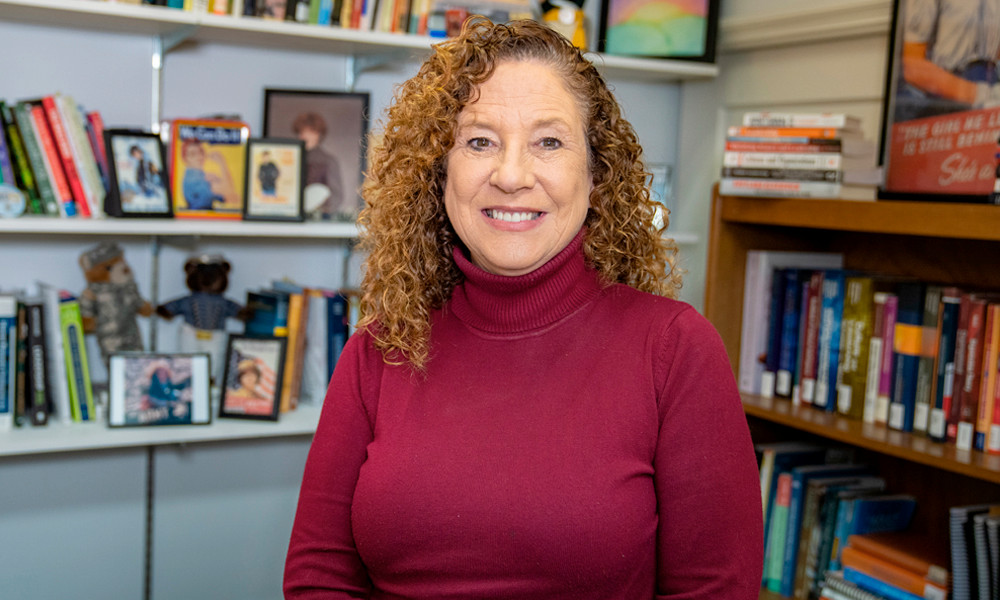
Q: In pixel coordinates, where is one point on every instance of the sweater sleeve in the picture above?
(710, 530)
(322, 560)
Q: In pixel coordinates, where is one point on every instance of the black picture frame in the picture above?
(275, 176)
(138, 181)
(688, 31)
(151, 388)
(924, 147)
(338, 122)
(262, 357)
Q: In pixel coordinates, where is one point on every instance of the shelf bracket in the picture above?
(356, 65)
(162, 44)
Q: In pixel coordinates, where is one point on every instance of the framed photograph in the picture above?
(941, 113)
(679, 29)
(253, 377)
(334, 128)
(207, 167)
(138, 185)
(158, 389)
(274, 175)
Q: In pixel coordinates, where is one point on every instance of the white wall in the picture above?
(778, 55)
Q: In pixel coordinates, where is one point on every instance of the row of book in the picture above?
(805, 155)
(46, 372)
(815, 498)
(437, 18)
(898, 566)
(52, 150)
(912, 355)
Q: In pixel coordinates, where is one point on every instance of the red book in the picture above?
(953, 394)
(67, 206)
(968, 404)
(808, 353)
(987, 375)
(61, 138)
(97, 139)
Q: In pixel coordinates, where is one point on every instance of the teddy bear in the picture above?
(111, 300)
(205, 309)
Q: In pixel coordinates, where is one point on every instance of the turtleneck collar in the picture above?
(502, 304)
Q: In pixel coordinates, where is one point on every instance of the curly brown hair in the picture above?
(410, 270)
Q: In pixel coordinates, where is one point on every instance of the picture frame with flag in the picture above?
(253, 377)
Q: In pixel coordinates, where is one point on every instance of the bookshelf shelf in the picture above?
(877, 438)
(177, 227)
(75, 437)
(113, 17)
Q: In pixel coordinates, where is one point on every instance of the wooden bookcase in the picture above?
(942, 242)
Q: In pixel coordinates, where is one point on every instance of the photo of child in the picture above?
(159, 389)
(139, 174)
(253, 377)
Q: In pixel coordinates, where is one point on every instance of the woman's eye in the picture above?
(551, 142)
(479, 143)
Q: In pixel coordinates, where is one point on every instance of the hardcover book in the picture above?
(925, 363)
(944, 363)
(856, 331)
(8, 359)
(907, 348)
(831, 314)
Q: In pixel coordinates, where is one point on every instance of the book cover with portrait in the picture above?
(208, 162)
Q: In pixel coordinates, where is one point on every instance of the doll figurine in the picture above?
(111, 300)
(205, 309)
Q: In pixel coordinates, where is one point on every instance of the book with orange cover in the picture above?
(778, 132)
(891, 573)
(906, 551)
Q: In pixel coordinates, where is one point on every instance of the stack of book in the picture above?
(890, 565)
(800, 155)
(814, 499)
(907, 354)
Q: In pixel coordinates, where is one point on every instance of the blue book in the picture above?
(270, 314)
(877, 586)
(869, 514)
(788, 352)
(947, 331)
(907, 344)
(6, 165)
(8, 359)
(337, 329)
(800, 479)
(831, 314)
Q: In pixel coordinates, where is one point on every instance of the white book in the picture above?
(56, 356)
(83, 153)
(793, 119)
(760, 266)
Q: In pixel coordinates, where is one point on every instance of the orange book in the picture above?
(298, 312)
(794, 132)
(894, 574)
(61, 137)
(67, 206)
(988, 374)
(903, 551)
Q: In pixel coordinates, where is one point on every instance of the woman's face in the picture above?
(518, 178)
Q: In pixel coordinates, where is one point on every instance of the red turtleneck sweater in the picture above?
(569, 441)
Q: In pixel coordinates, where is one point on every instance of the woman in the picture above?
(525, 413)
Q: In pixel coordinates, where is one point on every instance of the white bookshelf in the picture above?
(114, 17)
(58, 436)
(34, 225)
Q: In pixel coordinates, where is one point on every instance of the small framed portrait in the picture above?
(253, 377)
(274, 176)
(158, 389)
(334, 128)
(676, 29)
(207, 164)
(138, 185)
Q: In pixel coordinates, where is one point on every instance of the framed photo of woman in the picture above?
(274, 176)
(253, 378)
(138, 185)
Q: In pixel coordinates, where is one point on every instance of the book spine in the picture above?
(82, 152)
(771, 119)
(969, 401)
(892, 574)
(829, 340)
(8, 360)
(774, 559)
(748, 375)
(810, 344)
(75, 354)
(6, 161)
(789, 346)
(775, 316)
(39, 403)
(877, 586)
(778, 187)
(993, 441)
(925, 361)
(944, 363)
(952, 402)
(854, 352)
(779, 132)
(53, 164)
(22, 167)
(781, 148)
(875, 348)
(824, 161)
(65, 151)
(802, 326)
(907, 344)
(793, 174)
(337, 330)
(988, 374)
(887, 368)
(35, 161)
